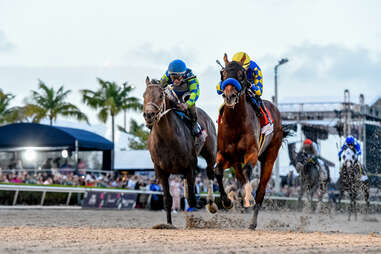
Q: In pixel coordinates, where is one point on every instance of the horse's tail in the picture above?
(288, 130)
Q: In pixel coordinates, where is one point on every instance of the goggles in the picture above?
(176, 76)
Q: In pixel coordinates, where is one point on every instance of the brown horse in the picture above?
(239, 143)
(172, 146)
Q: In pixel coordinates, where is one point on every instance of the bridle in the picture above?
(244, 84)
(162, 108)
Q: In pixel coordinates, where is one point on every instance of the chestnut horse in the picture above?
(172, 146)
(239, 143)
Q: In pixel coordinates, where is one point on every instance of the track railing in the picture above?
(70, 190)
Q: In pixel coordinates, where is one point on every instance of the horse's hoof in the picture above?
(227, 204)
(164, 226)
(249, 203)
(212, 208)
(252, 226)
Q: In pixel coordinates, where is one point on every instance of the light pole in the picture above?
(281, 61)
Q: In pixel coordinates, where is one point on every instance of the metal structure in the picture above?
(281, 61)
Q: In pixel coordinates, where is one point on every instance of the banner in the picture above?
(109, 200)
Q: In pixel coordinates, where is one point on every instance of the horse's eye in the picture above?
(223, 95)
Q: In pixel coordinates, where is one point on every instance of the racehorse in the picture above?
(239, 140)
(310, 178)
(172, 146)
(350, 181)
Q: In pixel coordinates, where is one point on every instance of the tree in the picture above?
(111, 99)
(140, 136)
(5, 110)
(50, 104)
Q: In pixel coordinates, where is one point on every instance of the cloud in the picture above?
(5, 45)
(323, 72)
(147, 55)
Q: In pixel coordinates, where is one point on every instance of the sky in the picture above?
(331, 45)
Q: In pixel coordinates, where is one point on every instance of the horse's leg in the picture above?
(355, 203)
(219, 171)
(167, 195)
(301, 193)
(190, 179)
(208, 152)
(212, 207)
(267, 162)
(366, 196)
(250, 161)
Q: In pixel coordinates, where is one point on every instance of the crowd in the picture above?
(67, 175)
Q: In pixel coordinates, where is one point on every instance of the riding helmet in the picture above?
(307, 142)
(350, 140)
(177, 67)
(238, 56)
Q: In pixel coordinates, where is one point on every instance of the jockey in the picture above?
(309, 147)
(352, 143)
(254, 76)
(184, 81)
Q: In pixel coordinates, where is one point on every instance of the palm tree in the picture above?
(5, 110)
(111, 99)
(139, 134)
(50, 103)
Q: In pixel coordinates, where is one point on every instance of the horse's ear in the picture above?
(226, 59)
(243, 59)
(147, 81)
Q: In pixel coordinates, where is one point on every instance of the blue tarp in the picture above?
(40, 135)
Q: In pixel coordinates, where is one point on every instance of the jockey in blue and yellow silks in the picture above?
(255, 77)
(184, 81)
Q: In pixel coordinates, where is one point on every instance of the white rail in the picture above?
(70, 190)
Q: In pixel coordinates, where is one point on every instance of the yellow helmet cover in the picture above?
(239, 55)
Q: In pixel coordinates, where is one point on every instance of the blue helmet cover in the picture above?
(350, 140)
(177, 67)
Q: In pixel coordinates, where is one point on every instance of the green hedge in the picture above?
(34, 198)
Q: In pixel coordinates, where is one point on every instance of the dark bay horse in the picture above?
(172, 146)
(239, 137)
(350, 181)
(310, 179)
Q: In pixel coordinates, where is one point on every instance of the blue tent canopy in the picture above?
(50, 137)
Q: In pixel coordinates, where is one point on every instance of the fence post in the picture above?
(68, 198)
(43, 198)
(15, 197)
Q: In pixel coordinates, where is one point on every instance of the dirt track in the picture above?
(65, 231)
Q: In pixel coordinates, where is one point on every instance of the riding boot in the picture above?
(364, 175)
(253, 101)
(196, 128)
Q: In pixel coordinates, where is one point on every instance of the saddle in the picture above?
(260, 109)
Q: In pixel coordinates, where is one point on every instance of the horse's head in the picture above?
(233, 81)
(154, 101)
(349, 157)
